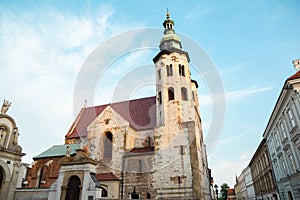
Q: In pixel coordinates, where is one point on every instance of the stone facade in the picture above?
(262, 174)
(10, 154)
(282, 136)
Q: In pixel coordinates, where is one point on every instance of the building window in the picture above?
(108, 140)
(181, 70)
(159, 74)
(159, 97)
(104, 192)
(169, 70)
(148, 196)
(184, 94)
(148, 142)
(277, 139)
(40, 176)
(282, 129)
(193, 95)
(278, 173)
(292, 163)
(291, 118)
(283, 168)
(171, 93)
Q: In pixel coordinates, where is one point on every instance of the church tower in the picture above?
(180, 152)
(175, 89)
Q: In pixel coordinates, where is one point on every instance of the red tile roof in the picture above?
(295, 76)
(230, 191)
(106, 177)
(142, 150)
(140, 113)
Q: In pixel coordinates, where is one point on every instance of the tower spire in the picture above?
(170, 40)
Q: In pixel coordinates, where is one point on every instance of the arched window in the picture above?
(40, 177)
(73, 190)
(184, 94)
(159, 74)
(171, 93)
(149, 141)
(104, 192)
(290, 195)
(159, 97)
(148, 196)
(169, 70)
(108, 140)
(181, 70)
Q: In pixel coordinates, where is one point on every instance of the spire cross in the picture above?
(168, 15)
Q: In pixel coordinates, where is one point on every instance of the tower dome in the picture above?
(169, 40)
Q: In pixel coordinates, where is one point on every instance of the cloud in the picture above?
(198, 12)
(235, 95)
(41, 53)
(239, 94)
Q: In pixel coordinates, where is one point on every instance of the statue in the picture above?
(68, 153)
(5, 106)
(16, 135)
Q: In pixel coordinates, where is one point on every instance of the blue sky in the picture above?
(45, 43)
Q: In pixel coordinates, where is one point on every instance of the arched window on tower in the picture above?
(169, 70)
(181, 70)
(184, 95)
(171, 93)
(159, 97)
(108, 140)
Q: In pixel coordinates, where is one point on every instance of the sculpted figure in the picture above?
(5, 106)
(16, 135)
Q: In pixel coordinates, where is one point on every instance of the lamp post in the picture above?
(216, 190)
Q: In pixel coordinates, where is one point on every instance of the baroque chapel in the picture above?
(148, 148)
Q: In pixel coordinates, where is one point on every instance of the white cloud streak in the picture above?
(40, 56)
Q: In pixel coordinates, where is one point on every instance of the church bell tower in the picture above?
(176, 92)
(179, 147)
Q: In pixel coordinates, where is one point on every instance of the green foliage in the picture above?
(223, 191)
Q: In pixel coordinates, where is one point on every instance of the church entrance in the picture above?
(73, 190)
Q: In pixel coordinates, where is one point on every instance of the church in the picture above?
(148, 148)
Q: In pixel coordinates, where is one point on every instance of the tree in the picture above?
(223, 191)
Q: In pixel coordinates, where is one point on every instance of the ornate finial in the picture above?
(5, 106)
(168, 14)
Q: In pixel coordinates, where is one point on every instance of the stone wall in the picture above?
(32, 193)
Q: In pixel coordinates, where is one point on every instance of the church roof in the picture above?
(294, 76)
(106, 177)
(140, 113)
(57, 151)
(230, 191)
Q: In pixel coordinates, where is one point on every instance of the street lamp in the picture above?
(217, 191)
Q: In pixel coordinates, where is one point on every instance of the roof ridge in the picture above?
(112, 103)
